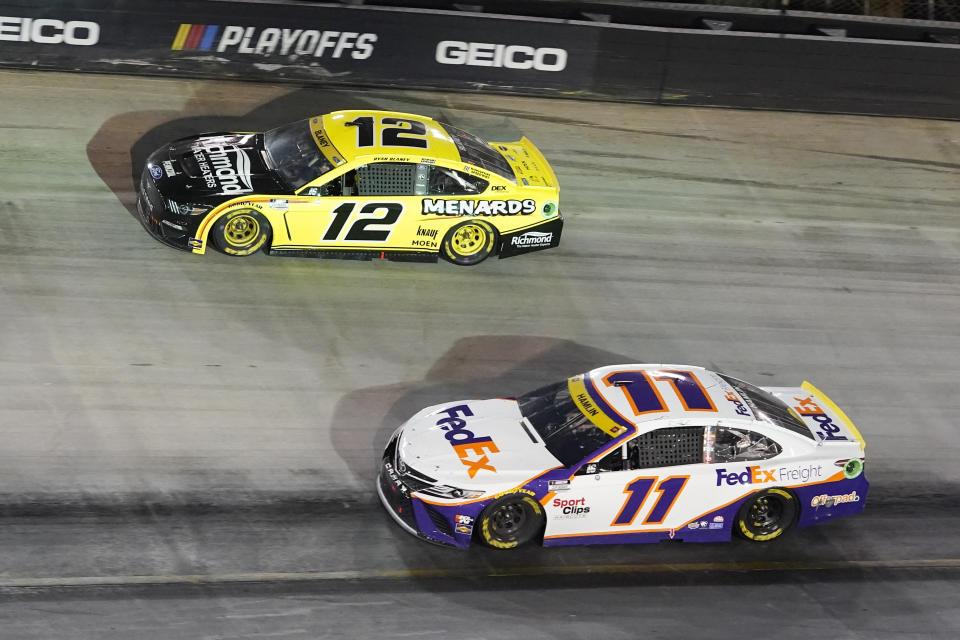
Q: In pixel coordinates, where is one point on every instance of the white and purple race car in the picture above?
(625, 454)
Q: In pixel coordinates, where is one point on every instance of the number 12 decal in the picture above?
(413, 134)
(639, 490)
(358, 230)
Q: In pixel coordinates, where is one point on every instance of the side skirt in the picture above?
(394, 256)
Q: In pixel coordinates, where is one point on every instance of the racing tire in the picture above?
(767, 515)
(469, 242)
(241, 232)
(510, 521)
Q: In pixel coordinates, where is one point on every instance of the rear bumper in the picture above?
(545, 235)
(829, 500)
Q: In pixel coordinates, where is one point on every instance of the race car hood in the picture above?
(212, 168)
(474, 444)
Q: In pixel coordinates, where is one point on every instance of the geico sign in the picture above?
(510, 56)
(47, 31)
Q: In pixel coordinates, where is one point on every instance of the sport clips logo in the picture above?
(470, 448)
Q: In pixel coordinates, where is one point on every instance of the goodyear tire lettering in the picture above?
(511, 520)
(766, 515)
(469, 242)
(241, 232)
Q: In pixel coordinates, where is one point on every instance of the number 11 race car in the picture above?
(353, 184)
(625, 454)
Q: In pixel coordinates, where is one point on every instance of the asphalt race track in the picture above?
(189, 443)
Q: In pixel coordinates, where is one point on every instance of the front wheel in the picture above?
(241, 232)
(469, 242)
(511, 521)
(766, 515)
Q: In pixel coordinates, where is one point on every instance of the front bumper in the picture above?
(448, 526)
(172, 230)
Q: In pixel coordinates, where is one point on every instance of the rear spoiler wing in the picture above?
(829, 404)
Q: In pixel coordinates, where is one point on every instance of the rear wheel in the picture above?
(241, 232)
(469, 242)
(510, 521)
(767, 515)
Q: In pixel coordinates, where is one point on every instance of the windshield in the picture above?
(767, 407)
(568, 434)
(475, 151)
(293, 154)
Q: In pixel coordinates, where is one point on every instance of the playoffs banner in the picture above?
(412, 48)
(299, 41)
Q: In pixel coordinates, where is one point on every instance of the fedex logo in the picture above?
(752, 475)
(470, 448)
(738, 406)
(809, 409)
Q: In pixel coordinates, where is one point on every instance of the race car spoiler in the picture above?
(837, 412)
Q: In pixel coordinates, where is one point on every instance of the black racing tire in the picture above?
(469, 242)
(767, 515)
(510, 521)
(241, 232)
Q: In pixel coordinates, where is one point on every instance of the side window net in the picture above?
(667, 447)
(450, 182)
(386, 179)
(738, 445)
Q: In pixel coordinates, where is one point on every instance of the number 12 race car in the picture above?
(624, 454)
(353, 184)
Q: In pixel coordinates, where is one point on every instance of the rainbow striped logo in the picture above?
(195, 37)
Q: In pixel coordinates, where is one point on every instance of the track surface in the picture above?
(190, 443)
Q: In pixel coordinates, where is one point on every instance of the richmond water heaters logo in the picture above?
(225, 167)
(272, 41)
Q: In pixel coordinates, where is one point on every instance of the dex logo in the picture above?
(470, 448)
(752, 475)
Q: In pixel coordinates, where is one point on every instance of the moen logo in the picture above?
(469, 447)
(752, 475)
(302, 42)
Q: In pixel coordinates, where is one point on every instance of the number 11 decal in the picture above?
(641, 391)
(637, 493)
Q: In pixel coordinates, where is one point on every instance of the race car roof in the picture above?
(642, 394)
(360, 133)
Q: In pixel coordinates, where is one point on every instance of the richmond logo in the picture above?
(532, 239)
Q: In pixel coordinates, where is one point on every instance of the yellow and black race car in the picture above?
(353, 184)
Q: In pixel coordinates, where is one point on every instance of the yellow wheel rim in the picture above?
(469, 239)
(241, 230)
